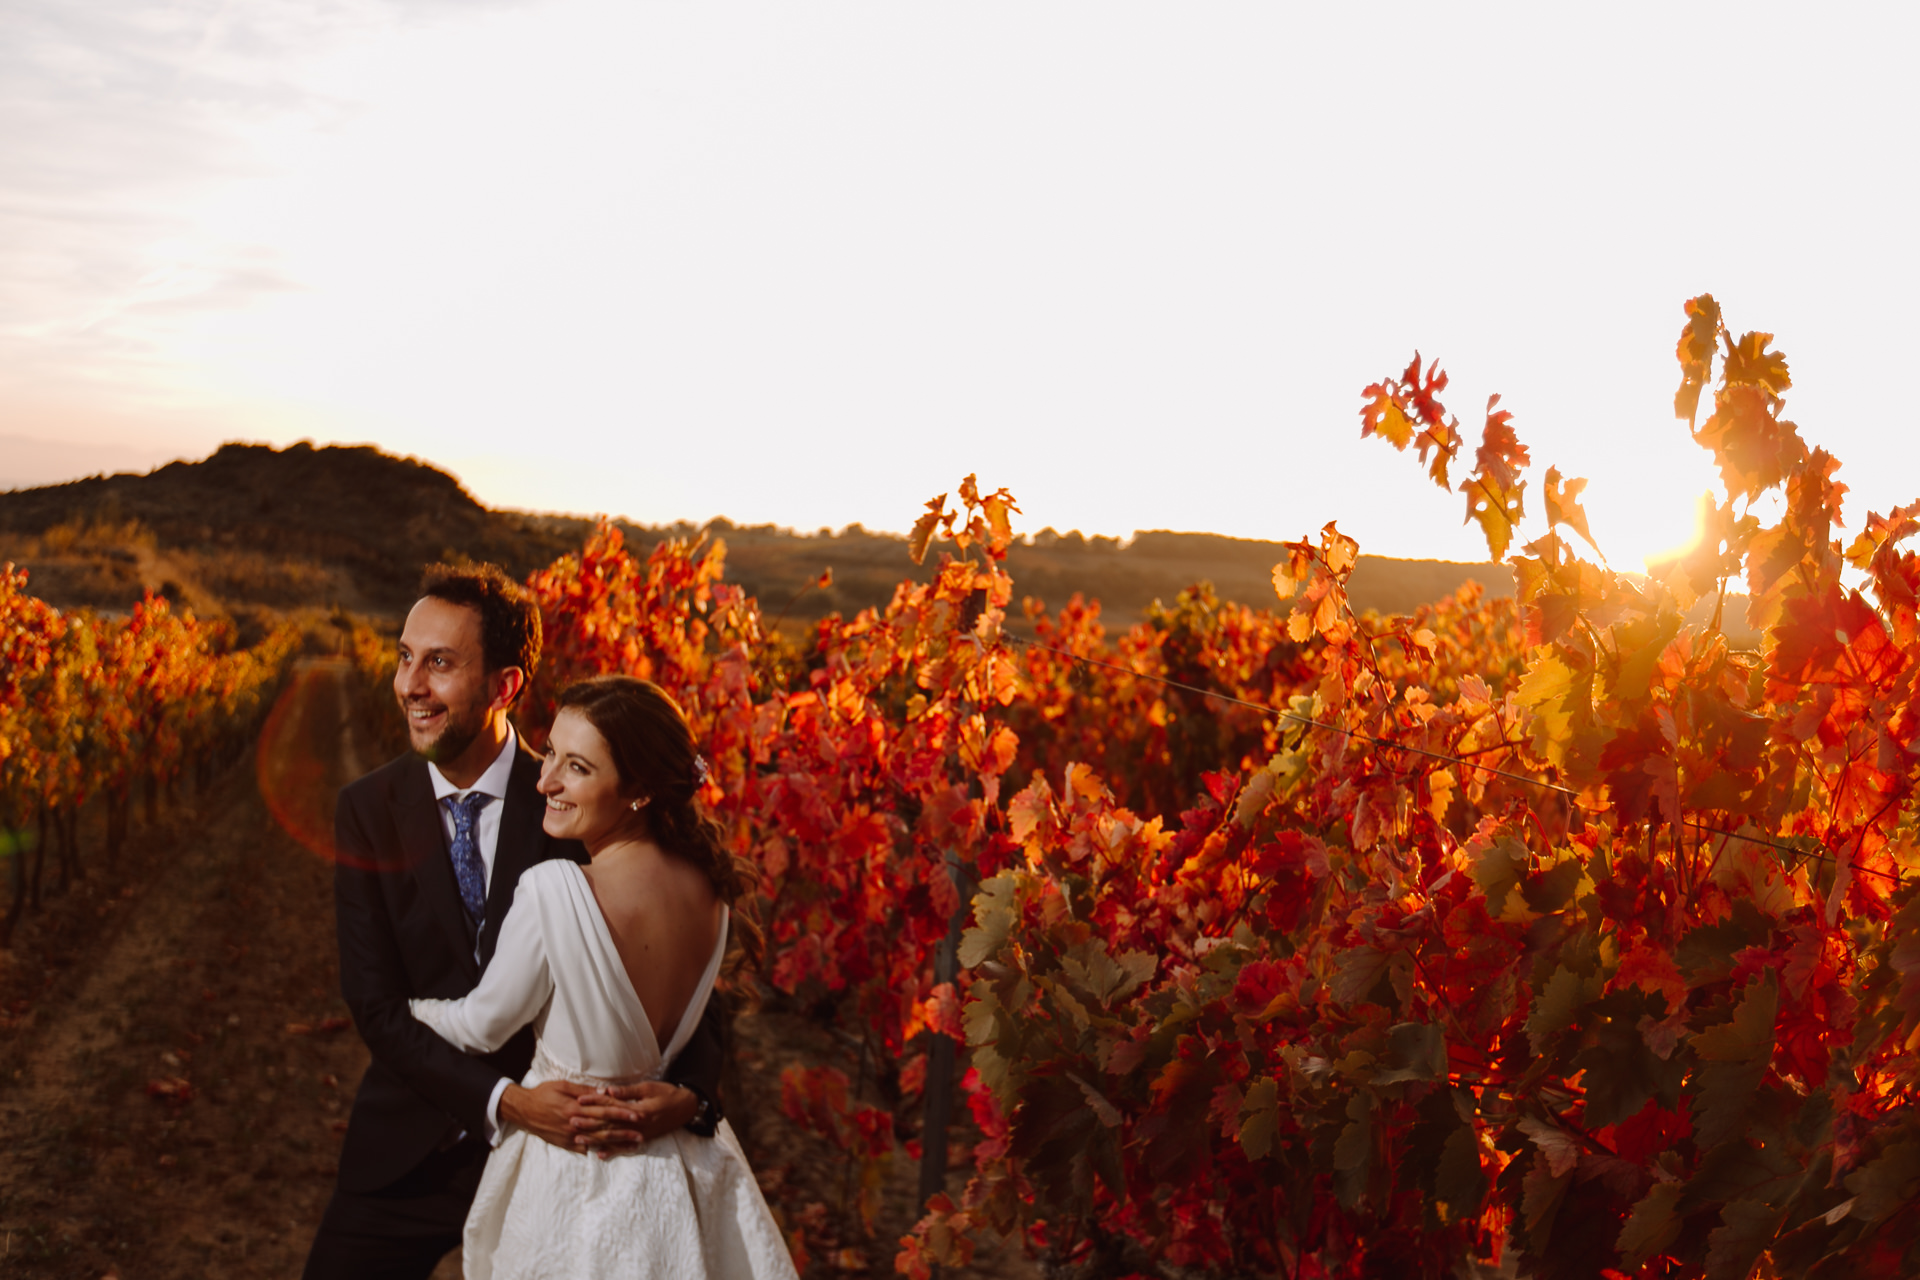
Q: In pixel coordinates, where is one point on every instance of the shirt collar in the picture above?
(492, 783)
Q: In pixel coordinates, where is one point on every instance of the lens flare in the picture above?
(306, 752)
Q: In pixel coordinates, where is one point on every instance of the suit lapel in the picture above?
(425, 838)
(522, 843)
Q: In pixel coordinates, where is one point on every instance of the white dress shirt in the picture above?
(486, 828)
(486, 837)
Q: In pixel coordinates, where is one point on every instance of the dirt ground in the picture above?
(176, 1063)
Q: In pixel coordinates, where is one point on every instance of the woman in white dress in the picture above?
(608, 961)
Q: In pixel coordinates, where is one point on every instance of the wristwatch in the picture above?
(706, 1119)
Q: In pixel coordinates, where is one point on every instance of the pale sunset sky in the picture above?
(810, 264)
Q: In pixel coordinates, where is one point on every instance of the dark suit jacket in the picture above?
(405, 934)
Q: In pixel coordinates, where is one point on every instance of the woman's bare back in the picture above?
(665, 920)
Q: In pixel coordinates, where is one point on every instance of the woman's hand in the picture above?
(625, 1116)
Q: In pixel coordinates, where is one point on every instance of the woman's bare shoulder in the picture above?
(665, 885)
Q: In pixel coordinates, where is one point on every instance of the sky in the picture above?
(810, 265)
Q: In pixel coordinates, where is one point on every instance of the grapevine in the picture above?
(1309, 942)
(1554, 932)
(91, 705)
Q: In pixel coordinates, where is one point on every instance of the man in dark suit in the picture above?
(430, 848)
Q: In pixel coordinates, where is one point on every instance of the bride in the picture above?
(610, 962)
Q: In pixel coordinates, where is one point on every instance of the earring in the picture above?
(640, 804)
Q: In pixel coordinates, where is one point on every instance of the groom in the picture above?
(430, 847)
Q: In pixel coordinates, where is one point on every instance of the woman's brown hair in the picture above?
(654, 754)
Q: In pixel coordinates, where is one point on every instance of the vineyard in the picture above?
(1552, 936)
(91, 706)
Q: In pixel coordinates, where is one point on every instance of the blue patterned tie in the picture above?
(467, 868)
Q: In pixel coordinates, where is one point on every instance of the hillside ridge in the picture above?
(351, 526)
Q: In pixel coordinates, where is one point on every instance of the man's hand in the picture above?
(547, 1111)
(627, 1115)
(578, 1118)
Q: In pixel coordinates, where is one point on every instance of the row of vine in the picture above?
(91, 705)
(1551, 924)
(1309, 943)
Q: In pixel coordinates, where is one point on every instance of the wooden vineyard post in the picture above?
(940, 1049)
(946, 968)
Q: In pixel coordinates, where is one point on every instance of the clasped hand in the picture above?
(603, 1121)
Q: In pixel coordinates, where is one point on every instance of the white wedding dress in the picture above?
(678, 1206)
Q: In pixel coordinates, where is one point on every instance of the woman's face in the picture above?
(581, 785)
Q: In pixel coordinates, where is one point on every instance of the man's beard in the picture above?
(456, 737)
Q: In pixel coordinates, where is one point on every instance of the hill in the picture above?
(258, 526)
(255, 527)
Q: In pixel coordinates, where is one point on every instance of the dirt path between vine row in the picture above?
(176, 1063)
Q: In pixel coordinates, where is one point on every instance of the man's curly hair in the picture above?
(509, 619)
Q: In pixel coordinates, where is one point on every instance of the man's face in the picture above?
(442, 683)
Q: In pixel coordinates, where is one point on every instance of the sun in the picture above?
(1659, 562)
